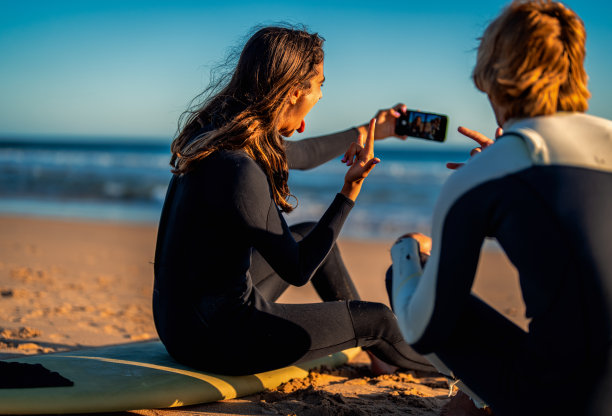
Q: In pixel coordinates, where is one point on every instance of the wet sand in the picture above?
(73, 284)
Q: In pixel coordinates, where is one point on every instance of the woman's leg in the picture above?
(265, 279)
(328, 327)
(332, 280)
(376, 330)
(271, 335)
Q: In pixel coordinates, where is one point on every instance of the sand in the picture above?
(71, 284)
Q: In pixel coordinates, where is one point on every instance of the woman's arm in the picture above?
(264, 227)
(309, 153)
(296, 262)
(268, 232)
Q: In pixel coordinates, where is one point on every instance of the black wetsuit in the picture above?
(225, 254)
(544, 191)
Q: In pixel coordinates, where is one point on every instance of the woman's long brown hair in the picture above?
(244, 112)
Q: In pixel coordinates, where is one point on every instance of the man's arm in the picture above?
(428, 301)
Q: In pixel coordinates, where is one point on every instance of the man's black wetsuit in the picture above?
(225, 254)
(544, 191)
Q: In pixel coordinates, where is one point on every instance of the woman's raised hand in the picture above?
(360, 158)
(385, 123)
(479, 138)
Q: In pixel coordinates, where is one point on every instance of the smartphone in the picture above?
(428, 126)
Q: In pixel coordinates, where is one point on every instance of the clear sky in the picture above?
(129, 68)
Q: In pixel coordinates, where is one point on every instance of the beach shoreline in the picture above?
(68, 284)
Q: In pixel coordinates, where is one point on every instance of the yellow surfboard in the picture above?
(139, 376)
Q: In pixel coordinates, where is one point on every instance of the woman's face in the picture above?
(300, 103)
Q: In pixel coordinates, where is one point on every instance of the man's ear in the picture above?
(295, 95)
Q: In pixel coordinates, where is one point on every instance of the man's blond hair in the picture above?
(531, 60)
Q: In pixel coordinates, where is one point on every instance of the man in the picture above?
(544, 191)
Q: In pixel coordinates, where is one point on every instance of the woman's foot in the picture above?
(379, 367)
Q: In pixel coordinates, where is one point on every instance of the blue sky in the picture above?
(127, 69)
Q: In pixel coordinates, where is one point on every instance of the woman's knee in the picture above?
(373, 319)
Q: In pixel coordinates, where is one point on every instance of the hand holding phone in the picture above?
(422, 125)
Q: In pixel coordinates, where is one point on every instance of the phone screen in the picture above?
(428, 126)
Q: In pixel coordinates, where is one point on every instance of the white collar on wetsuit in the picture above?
(569, 139)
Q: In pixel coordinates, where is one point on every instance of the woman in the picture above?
(224, 252)
(543, 189)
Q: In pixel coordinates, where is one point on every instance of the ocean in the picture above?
(126, 181)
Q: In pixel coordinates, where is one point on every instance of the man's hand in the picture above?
(479, 138)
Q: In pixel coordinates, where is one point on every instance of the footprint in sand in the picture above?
(9, 335)
(105, 312)
(63, 309)
(10, 293)
(34, 313)
(24, 332)
(104, 280)
(74, 286)
(105, 328)
(138, 337)
(28, 275)
(28, 348)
